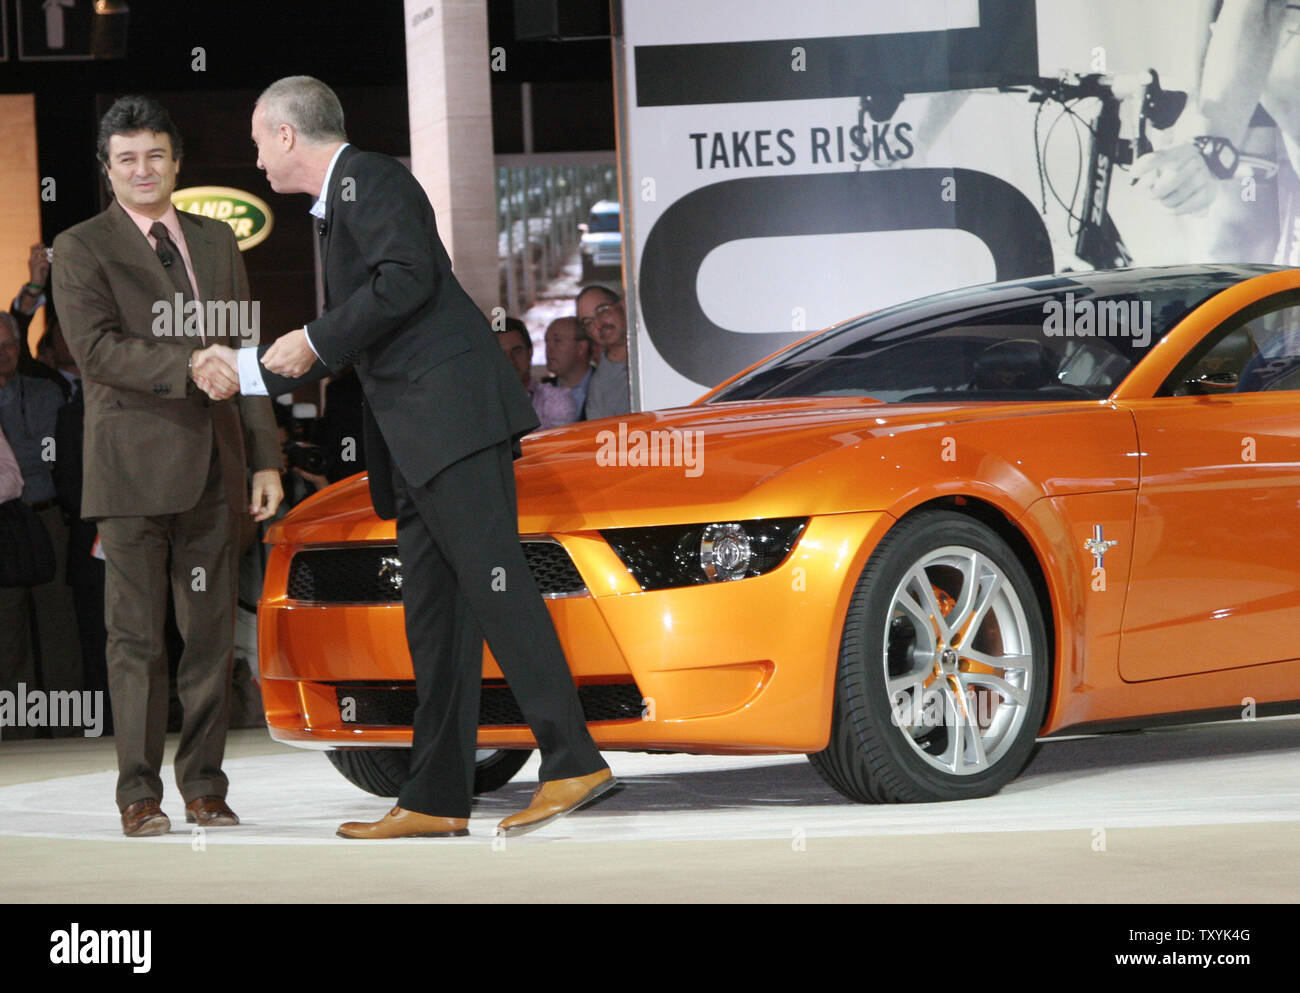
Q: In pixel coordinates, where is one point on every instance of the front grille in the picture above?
(373, 573)
(394, 706)
(344, 575)
(552, 569)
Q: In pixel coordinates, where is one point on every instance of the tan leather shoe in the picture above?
(210, 811)
(558, 797)
(144, 819)
(399, 823)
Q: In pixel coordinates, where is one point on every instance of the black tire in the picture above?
(881, 749)
(384, 771)
(495, 770)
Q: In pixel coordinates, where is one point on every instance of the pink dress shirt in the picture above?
(173, 225)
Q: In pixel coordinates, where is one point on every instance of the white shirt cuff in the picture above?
(307, 334)
(251, 383)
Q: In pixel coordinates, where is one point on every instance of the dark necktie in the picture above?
(172, 260)
(170, 256)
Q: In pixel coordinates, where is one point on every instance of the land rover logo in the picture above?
(249, 217)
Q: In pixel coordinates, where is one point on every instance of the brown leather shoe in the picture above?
(144, 819)
(210, 811)
(558, 797)
(399, 823)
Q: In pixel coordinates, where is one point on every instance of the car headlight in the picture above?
(661, 558)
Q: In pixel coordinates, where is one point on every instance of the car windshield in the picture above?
(1065, 337)
(603, 222)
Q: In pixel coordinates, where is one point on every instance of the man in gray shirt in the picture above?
(29, 409)
(602, 319)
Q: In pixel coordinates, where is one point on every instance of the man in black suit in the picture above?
(443, 414)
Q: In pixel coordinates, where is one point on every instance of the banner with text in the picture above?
(790, 165)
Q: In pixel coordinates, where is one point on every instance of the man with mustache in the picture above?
(602, 319)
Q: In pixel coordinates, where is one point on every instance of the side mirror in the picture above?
(1213, 382)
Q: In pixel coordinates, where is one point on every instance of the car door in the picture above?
(1215, 579)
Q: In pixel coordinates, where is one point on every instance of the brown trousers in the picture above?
(194, 552)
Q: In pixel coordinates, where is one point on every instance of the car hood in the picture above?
(762, 458)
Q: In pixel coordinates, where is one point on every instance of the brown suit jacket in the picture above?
(149, 431)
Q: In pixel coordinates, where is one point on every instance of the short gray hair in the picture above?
(307, 105)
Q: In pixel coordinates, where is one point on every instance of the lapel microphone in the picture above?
(322, 227)
(165, 256)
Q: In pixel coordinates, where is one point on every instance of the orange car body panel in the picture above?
(749, 666)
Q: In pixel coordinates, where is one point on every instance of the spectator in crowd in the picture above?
(34, 295)
(11, 477)
(297, 482)
(602, 319)
(518, 348)
(29, 409)
(60, 357)
(568, 359)
(553, 407)
(85, 569)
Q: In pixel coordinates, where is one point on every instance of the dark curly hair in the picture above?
(131, 115)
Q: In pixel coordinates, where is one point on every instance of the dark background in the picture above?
(357, 48)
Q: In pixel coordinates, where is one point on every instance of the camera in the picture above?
(300, 451)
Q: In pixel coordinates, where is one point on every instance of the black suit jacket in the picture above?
(436, 383)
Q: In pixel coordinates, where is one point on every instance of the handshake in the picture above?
(215, 369)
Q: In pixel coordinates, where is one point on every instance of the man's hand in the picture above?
(290, 355)
(1178, 177)
(267, 494)
(38, 264)
(213, 370)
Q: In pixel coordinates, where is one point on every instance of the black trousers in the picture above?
(465, 580)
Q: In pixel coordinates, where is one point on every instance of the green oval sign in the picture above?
(248, 216)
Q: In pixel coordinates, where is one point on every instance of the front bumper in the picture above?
(744, 666)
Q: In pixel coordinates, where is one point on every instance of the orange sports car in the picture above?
(906, 546)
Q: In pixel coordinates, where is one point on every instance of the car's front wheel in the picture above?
(943, 670)
(384, 771)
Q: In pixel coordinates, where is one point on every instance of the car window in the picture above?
(1001, 356)
(604, 222)
(1257, 351)
(1063, 337)
(1224, 363)
(1276, 362)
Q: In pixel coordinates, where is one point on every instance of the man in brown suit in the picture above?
(142, 289)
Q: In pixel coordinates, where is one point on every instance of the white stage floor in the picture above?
(1235, 773)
